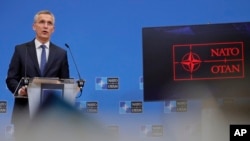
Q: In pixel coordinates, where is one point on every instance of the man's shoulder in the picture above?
(56, 47)
(29, 43)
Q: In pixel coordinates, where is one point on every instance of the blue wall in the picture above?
(106, 40)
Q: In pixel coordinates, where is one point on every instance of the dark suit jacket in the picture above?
(24, 60)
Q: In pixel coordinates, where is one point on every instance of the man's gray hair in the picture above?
(44, 12)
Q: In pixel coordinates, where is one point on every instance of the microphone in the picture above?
(80, 81)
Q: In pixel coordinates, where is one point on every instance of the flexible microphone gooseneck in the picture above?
(15, 92)
(25, 79)
(80, 81)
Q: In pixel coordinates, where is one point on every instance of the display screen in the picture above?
(196, 61)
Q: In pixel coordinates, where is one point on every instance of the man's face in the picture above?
(44, 27)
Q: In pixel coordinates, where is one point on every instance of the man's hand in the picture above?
(22, 91)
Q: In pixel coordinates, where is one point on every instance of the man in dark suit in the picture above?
(37, 58)
(25, 61)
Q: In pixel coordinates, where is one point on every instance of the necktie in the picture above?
(43, 59)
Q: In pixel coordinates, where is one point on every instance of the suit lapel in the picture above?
(51, 57)
(33, 55)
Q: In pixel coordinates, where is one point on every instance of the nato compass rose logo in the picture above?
(206, 61)
(106, 83)
(191, 62)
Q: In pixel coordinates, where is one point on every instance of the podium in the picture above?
(40, 88)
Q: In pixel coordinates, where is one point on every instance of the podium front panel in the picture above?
(38, 90)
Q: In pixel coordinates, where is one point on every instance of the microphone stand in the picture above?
(24, 79)
(80, 82)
